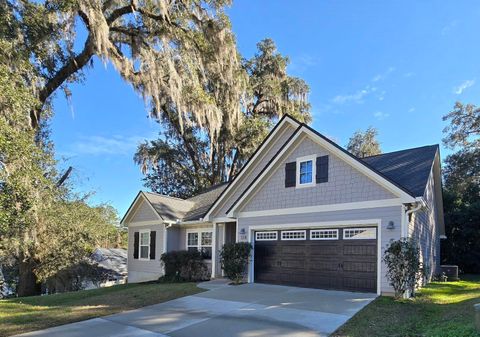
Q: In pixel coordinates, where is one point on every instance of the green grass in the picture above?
(439, 310)
(39, 312)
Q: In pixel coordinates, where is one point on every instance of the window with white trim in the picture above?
(359, 233)
(324, 234)
(200, 241)
(306, 170)
(266, 236)
(144, 245)
(293, 235)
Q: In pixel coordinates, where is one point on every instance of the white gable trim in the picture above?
(133, 209)
(405, 197)
(260, 152)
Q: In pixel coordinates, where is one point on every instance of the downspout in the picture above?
(419, 204)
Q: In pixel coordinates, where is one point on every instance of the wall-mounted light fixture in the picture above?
(391, 225)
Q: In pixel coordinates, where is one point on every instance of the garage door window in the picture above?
(266, 236)
(324, 234)
(360, 233)
(293, 235)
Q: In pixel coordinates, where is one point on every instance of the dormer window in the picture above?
(306, 171)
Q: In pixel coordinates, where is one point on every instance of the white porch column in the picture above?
(214, 249)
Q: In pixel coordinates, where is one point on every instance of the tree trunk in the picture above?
(27, 281)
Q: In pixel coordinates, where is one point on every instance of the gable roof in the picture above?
(284, 120)
(173, 209)
(409, 168)
(403, 193)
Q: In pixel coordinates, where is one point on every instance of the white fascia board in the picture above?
(362, 168)
(288, 120)
(324, 208)
(133, 208)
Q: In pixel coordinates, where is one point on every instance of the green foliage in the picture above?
(402, 259)
(184, 266)
(463, 127)
(364, 144)
(185, 161)
(461, 175)
(234, 260)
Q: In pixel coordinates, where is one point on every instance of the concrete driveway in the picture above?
(250, 310)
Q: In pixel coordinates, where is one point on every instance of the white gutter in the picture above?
(419, 204)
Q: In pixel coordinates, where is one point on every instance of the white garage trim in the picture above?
(349, 223)
(324, 208)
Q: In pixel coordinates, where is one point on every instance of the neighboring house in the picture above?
(113, 264)
(316, 215)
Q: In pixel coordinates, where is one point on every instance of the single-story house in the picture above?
(316, 215)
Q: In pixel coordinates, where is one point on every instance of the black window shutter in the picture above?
(322, 169)
(136, 240)
(290, 174)
(153, 241)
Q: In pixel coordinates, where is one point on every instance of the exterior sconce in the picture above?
(391, 225)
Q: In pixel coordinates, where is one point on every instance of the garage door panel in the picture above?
(361, 267)
(363, 249)
(337, 263)
(359, 284)
(319, 248)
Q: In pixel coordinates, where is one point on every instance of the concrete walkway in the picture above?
(250, 310)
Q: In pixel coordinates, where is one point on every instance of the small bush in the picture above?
(404, 270)
(184, 266)
(234, 259)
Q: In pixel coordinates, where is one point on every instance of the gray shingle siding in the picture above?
(253, 171)
(424, 228)
(345, 184)
(144, 213)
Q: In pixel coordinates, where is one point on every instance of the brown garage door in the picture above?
(336, 258)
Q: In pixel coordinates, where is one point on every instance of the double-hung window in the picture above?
(306, 171)
(201, 241)
(144, 245)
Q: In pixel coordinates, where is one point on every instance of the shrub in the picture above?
(184, 266)
(234, 259)
(404, 270)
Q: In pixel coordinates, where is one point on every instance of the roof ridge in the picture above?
(396, 151)
(165, 196)
(209, 189)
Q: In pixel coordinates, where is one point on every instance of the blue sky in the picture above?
(396, 65)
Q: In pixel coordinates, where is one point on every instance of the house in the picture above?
(113, 265)
(316, 215)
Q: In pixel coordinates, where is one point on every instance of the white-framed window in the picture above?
(266, 236)
(294, 235)
(144, 245)
(306, 171)
(324, 234)
(201, 241)
(360, 233)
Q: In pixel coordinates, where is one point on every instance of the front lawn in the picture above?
(439, 310)
(39, 312)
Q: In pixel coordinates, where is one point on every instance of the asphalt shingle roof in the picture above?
(408, 168)
(194, 208)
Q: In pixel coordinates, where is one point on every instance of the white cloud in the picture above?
(302, 62)
(412, 109)
(449, 27)
(384, 75)
(356, 97)
(101, 145)
(409, 74)
(380, 115)
(463, 86)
